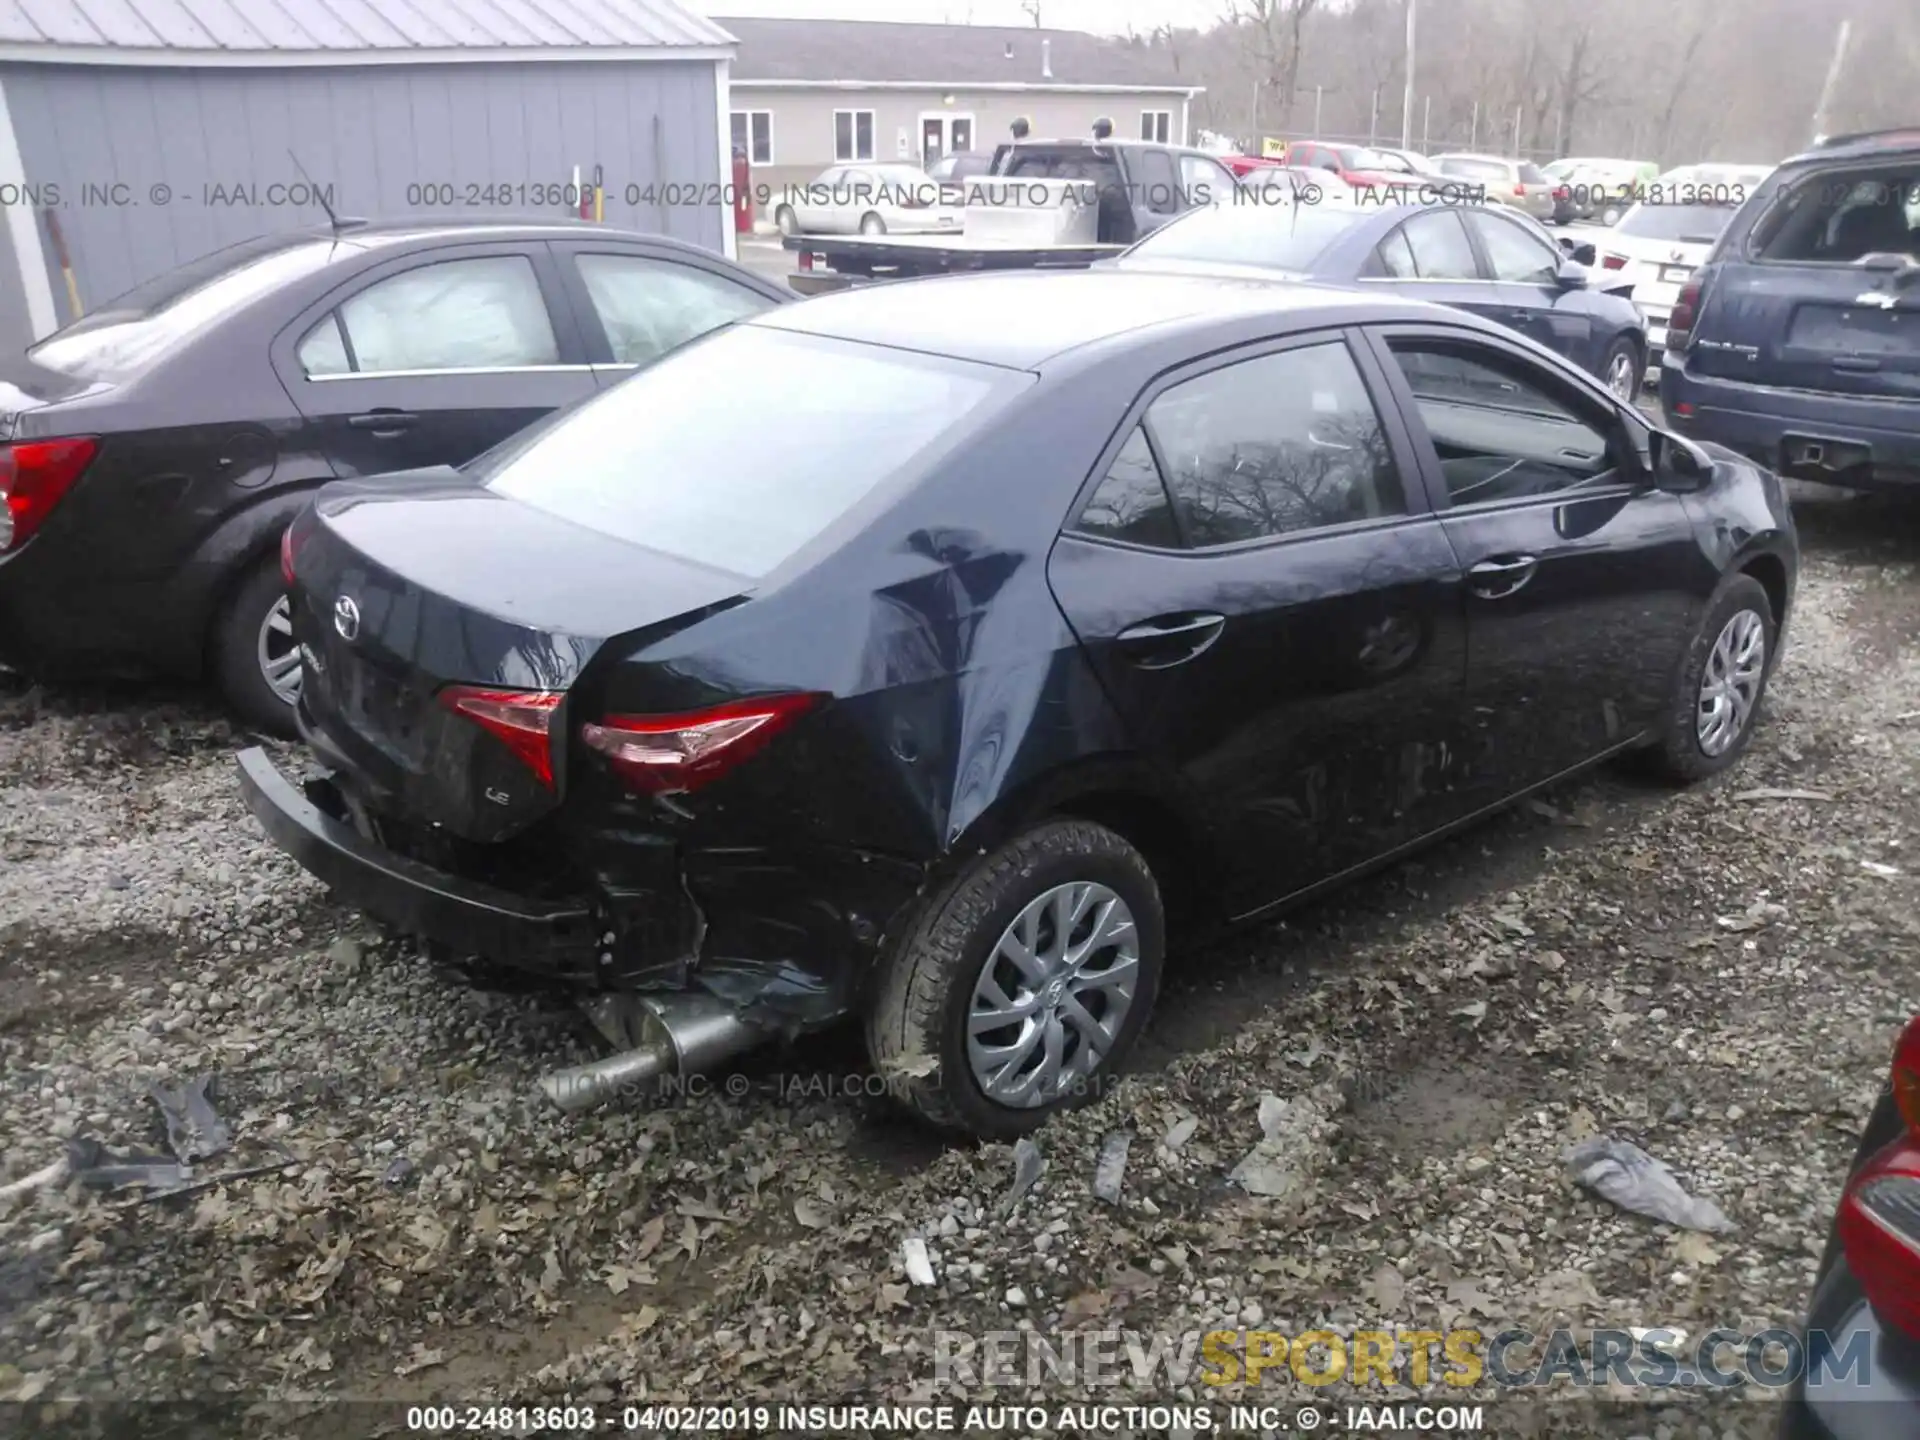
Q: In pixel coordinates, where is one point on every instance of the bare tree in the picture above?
(1274, 28)
(1032, 11)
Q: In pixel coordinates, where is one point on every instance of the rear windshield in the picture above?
(1270, 231)
(1532, 175)
(1063, 162)
(1687, 224)
(1841, 216)
(740, 448)
(131, 331)
(1475, 169)
(1354, 157)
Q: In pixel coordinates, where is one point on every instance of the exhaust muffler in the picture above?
(682, 1033)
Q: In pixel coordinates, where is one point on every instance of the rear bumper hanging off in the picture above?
(469, 918)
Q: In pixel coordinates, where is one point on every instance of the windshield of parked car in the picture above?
(1274, 231)
(1686, 224)
(1843, 215)
(132, 330)
(739, 449)
(1355, 157)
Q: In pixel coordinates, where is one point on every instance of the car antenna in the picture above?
(320, 198)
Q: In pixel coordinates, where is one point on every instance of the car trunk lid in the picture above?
(443, 626)
(1841, 329)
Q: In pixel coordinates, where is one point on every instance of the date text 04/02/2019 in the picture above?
(542, 194)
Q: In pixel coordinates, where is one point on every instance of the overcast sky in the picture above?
(1106, 17)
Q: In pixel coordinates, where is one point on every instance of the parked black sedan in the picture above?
(159, 446)
(1487, 259)
(1861, 1376)
(1024, 618)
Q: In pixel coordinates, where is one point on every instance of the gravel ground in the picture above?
(1713, 976)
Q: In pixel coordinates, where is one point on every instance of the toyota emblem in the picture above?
(346, 618)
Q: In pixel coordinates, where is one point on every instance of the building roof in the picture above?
(183, 31)
(888, 52)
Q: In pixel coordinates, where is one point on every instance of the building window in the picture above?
(852, 135)
(1157, 126)
(753, 133)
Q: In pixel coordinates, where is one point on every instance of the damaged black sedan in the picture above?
(932, 662)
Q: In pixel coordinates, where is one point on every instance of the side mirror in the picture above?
(1572, 275)
(1678, 464)
(1580, 252)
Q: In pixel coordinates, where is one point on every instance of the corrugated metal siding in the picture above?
(348, 25)
(370, 132)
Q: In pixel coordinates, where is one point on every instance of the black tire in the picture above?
(1677, 755)
(236, 654)
(1635, 356)
(785, 221)
(872, 224)
(918, 1011)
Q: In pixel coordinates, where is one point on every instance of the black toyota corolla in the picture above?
(933, 662)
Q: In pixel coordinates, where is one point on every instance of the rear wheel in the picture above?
(872, 224)
(1623, 370)
(255, 660)
(1717, 693)
(786, 221)
(1024, 984)
(1610, 214)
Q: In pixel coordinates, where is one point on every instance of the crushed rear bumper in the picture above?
(469, 918)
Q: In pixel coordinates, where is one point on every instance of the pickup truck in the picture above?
(1127, 187)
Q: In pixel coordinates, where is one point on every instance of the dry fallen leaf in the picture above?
(1387, 1288)
(690, 1239)
(1088, 1305)
(650, 1236)
(702, 1209)
(422, 1359)
(1696, 1250)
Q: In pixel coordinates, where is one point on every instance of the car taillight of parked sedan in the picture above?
(1879, 1220)
(34, 477)
(656, 754)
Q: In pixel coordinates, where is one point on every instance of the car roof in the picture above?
(1023, 319)
(1866, 144)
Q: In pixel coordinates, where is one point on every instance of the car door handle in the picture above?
(384, 422)
(1502, 576)
(1168, 640)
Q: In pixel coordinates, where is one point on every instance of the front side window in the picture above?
(663, 461)
(648, 307)
(1502, 431)
(1275, 445)
(1515, 256)
(480, 314)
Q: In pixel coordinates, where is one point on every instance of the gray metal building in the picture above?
(144, 133)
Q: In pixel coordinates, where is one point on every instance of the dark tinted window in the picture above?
(1531, 174)
(662, 459)
(1514, 253)
(1131, 503)
(1503, 431)
(1840, 216)
(1273, 445)
(1160, 182)
(1440, 248)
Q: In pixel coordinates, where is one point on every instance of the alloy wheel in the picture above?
(1621, 377)
(1053, 996)
(1730, 683)
(279, 653)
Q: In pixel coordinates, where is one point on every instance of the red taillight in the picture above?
(1880, 1231)
(665, 753)
(34, 475)
(1680, 322)
(1906, 1077)
(520, 719)
(1562, 193)
(1613, 262)
(806, 260)
(1520, 190)
(286, 556)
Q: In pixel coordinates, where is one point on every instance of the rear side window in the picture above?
(479, 314)
(663, 461)
(1440, 248)
(1840, 216)
(1395, 257)
(1274, 445)
(1515, 256)
(1131, 503)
